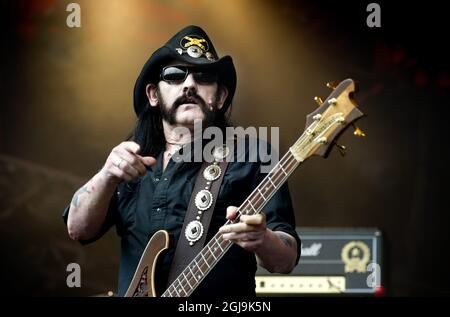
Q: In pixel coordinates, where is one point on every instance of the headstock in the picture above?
(328, 121)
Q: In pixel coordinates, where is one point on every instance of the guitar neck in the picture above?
(213, 251)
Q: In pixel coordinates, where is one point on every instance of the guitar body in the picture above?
(143, 282)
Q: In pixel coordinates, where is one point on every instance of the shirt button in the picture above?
(156, 179)
(165, 178)
(158, 209)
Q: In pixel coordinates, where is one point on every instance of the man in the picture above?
(142, 189)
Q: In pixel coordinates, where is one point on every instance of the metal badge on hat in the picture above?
(204, 198)
(195, 46)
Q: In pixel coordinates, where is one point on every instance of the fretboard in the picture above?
(213, 251)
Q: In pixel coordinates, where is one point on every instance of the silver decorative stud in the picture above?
(194, 231)
(194, 51)
(210, 56)
(203, 199)
(212, 172)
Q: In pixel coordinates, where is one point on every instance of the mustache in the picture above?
(189, 98)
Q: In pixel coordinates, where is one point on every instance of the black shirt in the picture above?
(159, 199)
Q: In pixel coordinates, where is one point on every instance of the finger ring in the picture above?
(118, 165)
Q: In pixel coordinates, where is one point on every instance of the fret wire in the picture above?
(281, 167)
(259, 191)
(174, 288)
(198, 267)
(204, 260)
(189, 266)
(292, 161)
(251, 205)
(211, 252)
(287, 158)
(180, 284)
(187, 280)
(189, 275)
(278, 186)
(264, 182)
(176, 291)
(171, 292)
(218, 243)
(268, 177)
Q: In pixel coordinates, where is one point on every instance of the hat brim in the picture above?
(152, 68)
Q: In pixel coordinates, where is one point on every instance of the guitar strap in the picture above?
(199, 213)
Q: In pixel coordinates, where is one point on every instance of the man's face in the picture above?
(183, 102)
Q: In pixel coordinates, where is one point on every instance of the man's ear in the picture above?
(222, 96)
(152, 94)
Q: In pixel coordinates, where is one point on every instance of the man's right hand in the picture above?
(125, 164)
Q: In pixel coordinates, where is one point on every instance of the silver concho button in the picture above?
(194, 51)
(203, 199)
(194, 231)
(210, 56)
(212, 172)
(221, 152)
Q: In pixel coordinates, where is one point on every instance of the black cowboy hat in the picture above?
(190, 45)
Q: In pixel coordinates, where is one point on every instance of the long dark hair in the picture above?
(149, 134)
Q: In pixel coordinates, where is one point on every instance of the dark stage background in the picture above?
(66, 101)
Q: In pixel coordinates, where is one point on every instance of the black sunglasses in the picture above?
(178, 74)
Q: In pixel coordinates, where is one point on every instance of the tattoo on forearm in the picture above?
(286, 240)
(82, 190)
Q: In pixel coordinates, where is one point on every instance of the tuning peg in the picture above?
(358, 132)
(318, 100)
(332, 84)
(342, 149)
(332, 101)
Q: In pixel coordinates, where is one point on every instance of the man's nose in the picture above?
(189, 83)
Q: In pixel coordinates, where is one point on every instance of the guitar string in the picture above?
(289, 160)
(284, 176)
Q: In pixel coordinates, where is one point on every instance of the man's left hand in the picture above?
(248, 233)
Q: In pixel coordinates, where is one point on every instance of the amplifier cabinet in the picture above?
(333, 261)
